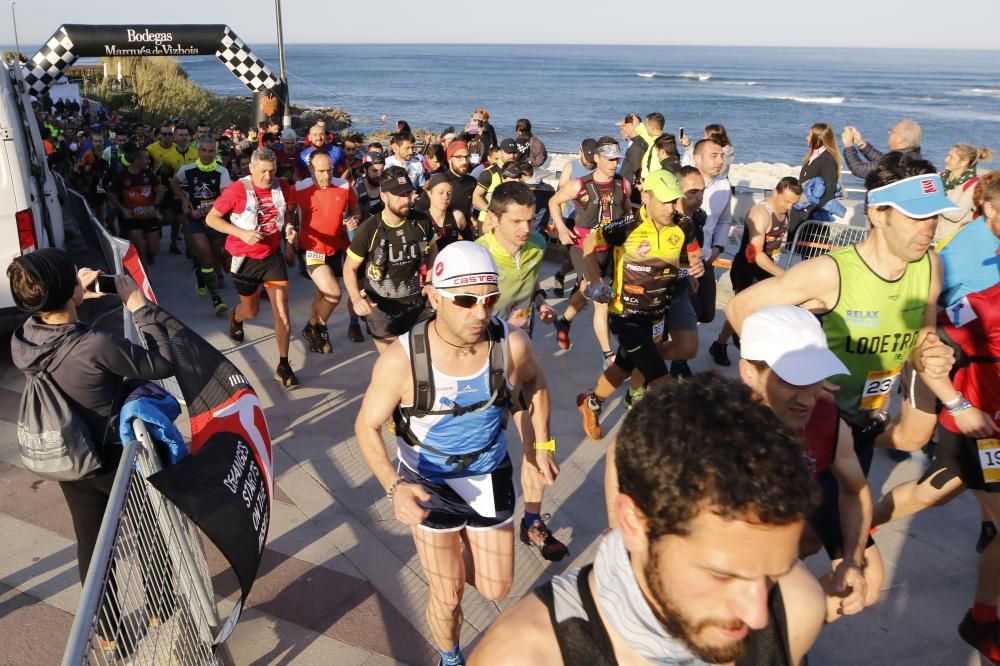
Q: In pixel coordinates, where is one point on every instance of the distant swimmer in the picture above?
(384, 119)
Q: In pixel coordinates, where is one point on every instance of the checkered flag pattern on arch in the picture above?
(50, 62)
(244, 63)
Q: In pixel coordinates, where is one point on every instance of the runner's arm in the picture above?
(215, 221)
(813, 284)
(521, 636)
(479, 198)
(855, 502)
(805, 610)
(933, 359)
(759, 221)
(384, 394)
(563, 195)
(351, 265)
(526, 373)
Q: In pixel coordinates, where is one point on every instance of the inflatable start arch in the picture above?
(70, 42)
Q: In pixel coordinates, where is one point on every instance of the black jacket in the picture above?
(825, 167)
(92, 376)
(862, 161)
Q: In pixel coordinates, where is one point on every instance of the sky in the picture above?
(854, 23)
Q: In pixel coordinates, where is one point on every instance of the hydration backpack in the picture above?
(423, 390)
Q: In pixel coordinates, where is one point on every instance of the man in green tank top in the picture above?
(517, 250)
(876, 300)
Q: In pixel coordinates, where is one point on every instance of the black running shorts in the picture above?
(450, 513)
(251, 273)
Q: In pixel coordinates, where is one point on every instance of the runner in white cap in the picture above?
(785, 362)
(454, 482)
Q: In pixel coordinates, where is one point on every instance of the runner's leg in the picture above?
(492, 551)
(440, 556)
(327, 296)
(278, 295)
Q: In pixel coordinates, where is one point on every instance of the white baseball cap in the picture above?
(791, 341)
(464, 264)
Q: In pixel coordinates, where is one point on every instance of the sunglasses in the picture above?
(469, 301)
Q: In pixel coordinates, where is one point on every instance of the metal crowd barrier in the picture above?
(148, 596)
(814, 238)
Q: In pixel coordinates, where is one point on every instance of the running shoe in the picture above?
(218, 305)
(591, 418)
(354, 333)
(235, 328)
(632, 396)
(718, 354)
(324, 339)
(199, 283)
(982, 636)
(310, 335)
(562, 333)
(538, 536)
(680, 370)
(986, 535)
(283, 375)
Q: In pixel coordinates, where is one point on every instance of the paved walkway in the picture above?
(340, 582)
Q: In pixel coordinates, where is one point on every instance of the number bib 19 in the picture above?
(878, 385)
(989, 459)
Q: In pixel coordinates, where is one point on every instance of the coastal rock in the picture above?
(304, 118)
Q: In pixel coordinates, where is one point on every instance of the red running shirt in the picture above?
(234, 200)
(322, 212)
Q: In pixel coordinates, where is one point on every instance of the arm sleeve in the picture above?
(721, 234)
(856, 163)
(538, 152)
(131, 360)
(615, 233)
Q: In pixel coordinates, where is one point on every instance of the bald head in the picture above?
(321, 169)
(905, 135)
(317, 135)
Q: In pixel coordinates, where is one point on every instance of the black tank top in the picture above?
(773, 240)
(583, 638)
(448, 232)
(599, 203)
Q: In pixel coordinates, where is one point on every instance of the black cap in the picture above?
(509, 146)
(400, 186)
(588, 148)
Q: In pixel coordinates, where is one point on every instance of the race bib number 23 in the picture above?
(878, 385)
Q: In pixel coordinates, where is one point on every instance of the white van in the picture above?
(30, 213)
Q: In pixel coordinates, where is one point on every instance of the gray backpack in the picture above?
(55, 443)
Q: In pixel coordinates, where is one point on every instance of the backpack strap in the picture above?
(420, 364)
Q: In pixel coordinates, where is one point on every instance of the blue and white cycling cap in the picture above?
(917, 197)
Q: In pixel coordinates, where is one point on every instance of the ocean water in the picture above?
(766, 97)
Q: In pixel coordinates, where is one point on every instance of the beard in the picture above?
(684, 628)
(374, 182)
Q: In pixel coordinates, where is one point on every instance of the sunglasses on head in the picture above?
(469, 301)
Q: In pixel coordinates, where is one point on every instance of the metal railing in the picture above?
(148, 596)
(814, 238)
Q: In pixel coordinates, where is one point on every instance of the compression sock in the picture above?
(452, 657)
(283, 360)
(982, 614)
(635, 395)
(530, 518)
(594, 402)
(354, 320)
(208, 279)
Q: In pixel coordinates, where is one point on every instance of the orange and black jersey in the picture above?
(646, 263)
(135, 191)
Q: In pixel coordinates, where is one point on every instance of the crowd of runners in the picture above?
(716, 489)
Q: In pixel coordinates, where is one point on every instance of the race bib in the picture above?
(315, 258)
(878, 385)
(989, 459)
(658, 329)
(140, 211)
